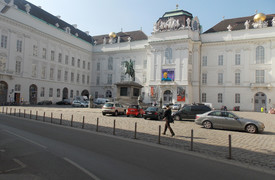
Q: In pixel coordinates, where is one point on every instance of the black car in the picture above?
(190, 111)
(153, 113)
(46, 102)
(64, 102)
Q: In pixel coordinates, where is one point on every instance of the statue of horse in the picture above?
(130, 69)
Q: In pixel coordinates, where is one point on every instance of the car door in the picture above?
(217, 119)
(184, 113)
(232, 121)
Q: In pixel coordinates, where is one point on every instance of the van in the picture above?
(101, 101)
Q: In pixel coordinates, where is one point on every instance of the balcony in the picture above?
(260, 85)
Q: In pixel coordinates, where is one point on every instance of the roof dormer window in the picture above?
(68, 30)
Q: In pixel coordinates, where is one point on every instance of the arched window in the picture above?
(260, 55)
(168, 56)
(108, 94)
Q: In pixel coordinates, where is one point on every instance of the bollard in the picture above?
(51, 117)
(30, 114)
(114, 130)
(19, 112)
(14, 113)
(192, 136)
(44, 117)
(83, 122)
(36, 116)
(159, 134)
(60, 119)
(10, 110)
(135, 136)
(72, 120)
(24, 113)
(97, 125)
(3, 110)
(229, 150)
(6, 110)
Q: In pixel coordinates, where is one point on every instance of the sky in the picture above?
(104, 16)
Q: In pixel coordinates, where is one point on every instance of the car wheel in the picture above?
(177, 118)
(251, 128)
(116, 113)
(207, 124)
(124, 112)
(127, 115)
(103, 114)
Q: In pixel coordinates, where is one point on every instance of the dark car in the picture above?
(135, 110)
(153, 113)
(190, 111)
(46, 102)
(64, 102)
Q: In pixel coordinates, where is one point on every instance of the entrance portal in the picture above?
(65, 93)
(3, 92)
(33, 94)
(167, 97)
(259, 101)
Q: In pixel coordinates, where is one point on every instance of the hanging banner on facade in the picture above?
(180, 94)
(152, 91)
(168, 74)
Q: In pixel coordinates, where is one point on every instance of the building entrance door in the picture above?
(167, 97)
(3, 92)
(33, 94)
(65, 93)
(259, 101)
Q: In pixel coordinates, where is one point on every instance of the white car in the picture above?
(176, 106)
(113, 108)
(78, 103)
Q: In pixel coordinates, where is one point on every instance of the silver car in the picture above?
(113, 108)
(228, 120)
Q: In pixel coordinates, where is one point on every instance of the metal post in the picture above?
(30, 114)
(97, 125)
(192, 135)
(159, 134)
(44, 117)
(72, 120)
(135, 137)
(6, 110)
(24, 113)
(36, 115)
(51, 117)
(19, 112)
(83, 122)
(10, 110)
(14, 112)
(229, 138)
(61, 119)
(3, 110)
(114, 130)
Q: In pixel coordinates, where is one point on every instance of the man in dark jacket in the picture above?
(168, 119)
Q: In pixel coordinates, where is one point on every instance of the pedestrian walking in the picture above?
(168, 119)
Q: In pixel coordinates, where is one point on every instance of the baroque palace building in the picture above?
(44, 58)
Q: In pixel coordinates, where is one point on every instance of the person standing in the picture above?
(168, 119)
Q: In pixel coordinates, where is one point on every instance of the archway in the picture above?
(167, 97)
(65, 93)
(33, 94)
(3, 92)
(259, 101)
(108, 94)
(85, 93)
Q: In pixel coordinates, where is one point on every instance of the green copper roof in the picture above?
(176, 13)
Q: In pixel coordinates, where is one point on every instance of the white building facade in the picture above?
(230, 64)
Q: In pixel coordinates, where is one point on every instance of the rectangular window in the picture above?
(51, 92)
(19, 46)
(260, 76)
(73, 61)
(66, 59)
(220, 98)
(109, 81)
(44, 53)
(77, 93)
(83, 64)
(17, 87)
(110, 63)
(72, 94)
(51, 73)
(88, 79)
(43, 72)
(220, 78)
(237, 78)
(237, 98)
(59, 75)
(97, 80)
(35, 50)
(4, 41)
(34, 70)
(204, 78)
(123, 91)
(18, 67)
(52, 55)
(72, 77)
(220, 60)
(237, 59)
(204, 61)
(144, 78)
(145, 64)
(83, 79)
(78, 63)
(203, 97)
(60, 58)
(66, 76)
(98, 66)
(42, 92)
(89, 65)
(58, 93)
(77, 78)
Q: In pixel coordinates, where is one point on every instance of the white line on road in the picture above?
(31, 141)
(82, 169)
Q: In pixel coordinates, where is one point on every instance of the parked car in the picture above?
(113, 108)
(153, 113)
(46, 102)
(164, 105)
(228, 120)
(64, 102)
(190, 111)
(176, 107)
(135, 110)
(79, 103)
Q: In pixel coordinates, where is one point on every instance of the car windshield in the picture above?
(133, 106)
(151, 109)
(108, 105)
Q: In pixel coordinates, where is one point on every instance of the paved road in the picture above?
(39, 150)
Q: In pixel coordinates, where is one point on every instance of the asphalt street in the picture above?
(36, 150)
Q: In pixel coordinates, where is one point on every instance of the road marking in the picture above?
(14, 169)
(82, 169)
(31, 141)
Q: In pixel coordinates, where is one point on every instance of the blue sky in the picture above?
(105, 16)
